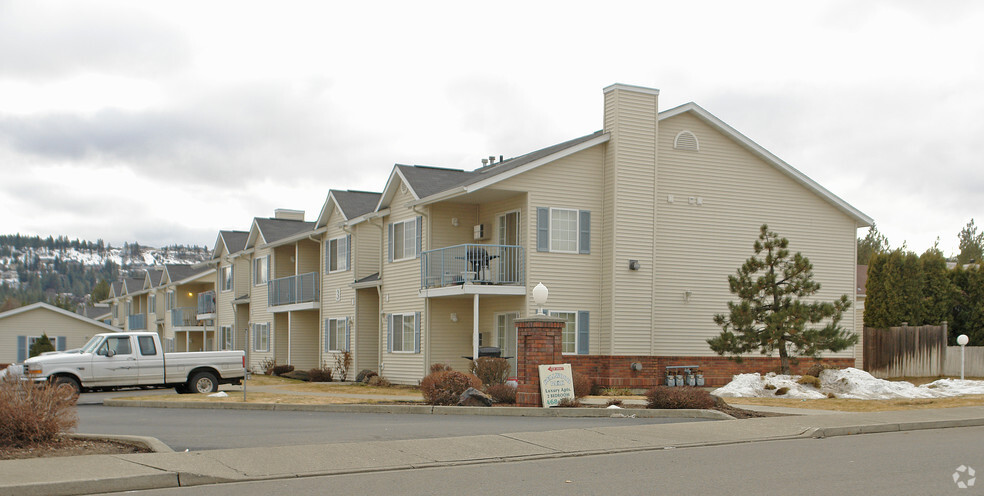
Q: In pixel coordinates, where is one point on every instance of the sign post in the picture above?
(556, 384)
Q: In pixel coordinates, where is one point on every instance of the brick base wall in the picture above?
(616, 371)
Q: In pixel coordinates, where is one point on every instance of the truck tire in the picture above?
(67, 386)
(182, 389)
(203, 382)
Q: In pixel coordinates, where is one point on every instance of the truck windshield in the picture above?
(91, 346)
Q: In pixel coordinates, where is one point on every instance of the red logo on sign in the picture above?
(551, 369)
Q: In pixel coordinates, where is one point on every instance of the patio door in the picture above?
(505, 337)
(509, 259)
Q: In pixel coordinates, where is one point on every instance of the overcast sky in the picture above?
(163, 122)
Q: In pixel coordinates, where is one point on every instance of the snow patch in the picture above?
(220, 394)
(848, 383)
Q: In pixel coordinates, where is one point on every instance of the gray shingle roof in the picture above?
(235, 241)
(355, 203)
(181, 271)
(117, 288)
(276, 229)
(156, 276)
(133, 284)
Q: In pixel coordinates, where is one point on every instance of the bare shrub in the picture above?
(614, 402)
(568, 403)
(33, 414)
(809, 380)
(364, 375)
(445, 387)
(267, 366)
(582, 385)
(379, 381)
(282, 369)
(343, 362)
(439, 367)
(818, 367)
(501, 393)
(663, 397)
(781, 391)
(490, 370)
(322, 374)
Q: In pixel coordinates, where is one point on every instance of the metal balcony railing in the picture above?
(206, 302)
(301, 288)
(184, 317)
(473, 264)
(137, 322)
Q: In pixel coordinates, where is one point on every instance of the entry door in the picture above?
(505, 337)
(509, 259)
(121, 368)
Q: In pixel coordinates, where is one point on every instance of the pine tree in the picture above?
(872, 244)
(41, 345)
(968, 305)
(971, 244)
(937, 298)
(770, 314)
(101, 291)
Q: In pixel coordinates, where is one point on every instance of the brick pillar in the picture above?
(538, 343)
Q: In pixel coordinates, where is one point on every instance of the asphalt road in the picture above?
(898, 463)
(196, 429)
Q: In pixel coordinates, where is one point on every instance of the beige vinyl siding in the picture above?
(366, 243)
(305, 340)
(280, 337)
(488, 214)
(574, 280)
(223, 299)
(632, 150)
(443, 233)
(308, 256)
(699, 246)
(366, 331)
(259, 313)
(40, 320)
(401, 283)
(281, 264)
(450, 341)
(241, 277)
(338, 297)
(605, 320)
(859, 329)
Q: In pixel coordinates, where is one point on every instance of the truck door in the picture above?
(114, 363)
(150, 361)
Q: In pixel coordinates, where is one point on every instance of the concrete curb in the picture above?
(432, 410)
(822, 432)
(152, 443)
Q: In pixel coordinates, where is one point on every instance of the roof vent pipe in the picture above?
(485, 162)
(491, 159)
(500, 159)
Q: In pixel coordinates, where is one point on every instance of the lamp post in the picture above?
(540, 297)
(962, 340)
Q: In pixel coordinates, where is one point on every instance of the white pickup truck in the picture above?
(122, 359)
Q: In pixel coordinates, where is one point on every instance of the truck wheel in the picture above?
(204, 382)
(182, 389)
(67, 387)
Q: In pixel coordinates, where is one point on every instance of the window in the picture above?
(261, 337)
(225, 338)
(152, 303)
(119, 345)
(225, 278)
(147, 346)
(337, 253)
(336, 335)
(404, 239)
(563, 230)
(169, 300)
(261, 270)
(169, 345)
(568, 339)
(403, 332)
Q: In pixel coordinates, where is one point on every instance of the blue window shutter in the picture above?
(542, 229)
(327, 256)
(21, 348)
(389, 332)
(389, 242)
(269, 273)
(348, 252)
(348, 330)
(327, 340)
(582, 333)
(416, 333)
(61, 343)
(420, 234)
(584, 231)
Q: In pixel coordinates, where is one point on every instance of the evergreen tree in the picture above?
(873, 243)
(937, 288)
(971, 244)
(910, 289)
(101, 291)
(968, 308)
(41, 345)
(770, 314)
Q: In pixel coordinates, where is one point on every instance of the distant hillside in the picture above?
(62, 271)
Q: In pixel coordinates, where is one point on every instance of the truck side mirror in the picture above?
(110, 353)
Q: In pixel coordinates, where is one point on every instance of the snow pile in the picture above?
(220, 394)
(847, 383)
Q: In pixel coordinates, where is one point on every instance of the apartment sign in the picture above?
(556, 383)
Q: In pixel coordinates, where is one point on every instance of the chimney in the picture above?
(288, 214)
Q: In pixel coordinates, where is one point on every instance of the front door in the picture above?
(114, 362)
(509, 260)
(505, 337)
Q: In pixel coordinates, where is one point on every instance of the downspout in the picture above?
(425, 344)
(379, 294)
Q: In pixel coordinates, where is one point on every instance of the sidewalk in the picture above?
(108, 473)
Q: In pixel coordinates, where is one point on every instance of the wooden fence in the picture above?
(905, 351)
(973, 362)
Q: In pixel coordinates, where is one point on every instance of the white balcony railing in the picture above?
(289, 290)
(473, 264)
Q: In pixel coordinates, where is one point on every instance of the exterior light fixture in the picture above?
(454, 317)
(633, 265)
(540, 296)
(962, 340)
(687, 295)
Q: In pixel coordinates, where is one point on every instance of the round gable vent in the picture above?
(686, 140)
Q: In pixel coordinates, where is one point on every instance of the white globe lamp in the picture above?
(540, 296)
(962, 340)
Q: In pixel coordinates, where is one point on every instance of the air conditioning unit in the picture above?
(480, 232)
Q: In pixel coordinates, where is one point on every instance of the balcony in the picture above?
(300, 292)
(137, 322)
(473, 269)
(185, 317)
(206, 305)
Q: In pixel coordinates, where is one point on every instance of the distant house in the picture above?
(20, 327)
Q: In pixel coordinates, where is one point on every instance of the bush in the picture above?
(41, 345)
(769, 386)
(582, 385)
(664, 397)
(781, 391)
(568, 403)
(614, 402)
(379, 381)
(809, 380)
(267, 366)
(616, 391)
(282, 369)
(818, 367)
(445, 387)
(320, 375)
(491, 370)
(501, 393)
(440, 367)
(32, 414)
(343, 362)
(364, 375)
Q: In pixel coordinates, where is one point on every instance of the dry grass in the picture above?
(237, 397)
(270, 380)
(327, 387)
(847, 405)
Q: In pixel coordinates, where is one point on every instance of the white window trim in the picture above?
(404, 351)
(496, 335)
(222, 280)
(256, 272)
(577, 324)
(577, 232)
(256, 334)
(412, 224)
(333, 255)
(232, 338)
(343, 321)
